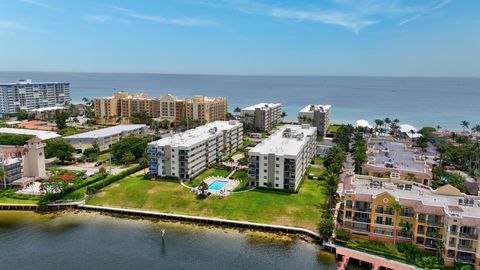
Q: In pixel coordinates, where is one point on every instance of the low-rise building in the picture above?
(425, 217)
(105, 137)
(187, 154)
(262, 116)
(41, 134)
(317, 116)
(280, 161)
(46, 113)
(397, 160)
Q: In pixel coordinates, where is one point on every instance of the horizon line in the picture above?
(245, 75)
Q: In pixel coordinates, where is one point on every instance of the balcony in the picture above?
(466, 248)
(361, 219)
(435, 223)
(469, 236)
(362, 209)
(430, 234)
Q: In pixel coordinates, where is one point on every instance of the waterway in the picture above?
(92, 241)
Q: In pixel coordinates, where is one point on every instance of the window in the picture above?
(277, 159)
(265, 158)
(388, 221)
(264, 171)
(453, 228)
(277, 165)
(348, 204)
(265, 164)
(379, 220)
(276, 178)
(421, 229)
(276, 185)
(348, 214)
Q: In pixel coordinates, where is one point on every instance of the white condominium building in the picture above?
(27, 95)
(185, 155)
(262, 116)
(317, 116)
(105, 137)
(281, 160)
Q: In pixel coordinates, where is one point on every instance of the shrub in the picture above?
(343, 234)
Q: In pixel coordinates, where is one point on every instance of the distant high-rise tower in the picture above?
(34, 159)
(27, 95)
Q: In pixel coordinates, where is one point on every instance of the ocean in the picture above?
(416, 101)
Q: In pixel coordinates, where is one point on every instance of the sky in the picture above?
(246, 37)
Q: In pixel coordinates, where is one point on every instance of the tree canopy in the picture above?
(135, 145)
(60, 149)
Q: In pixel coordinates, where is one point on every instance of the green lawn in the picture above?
(318, 160)
(6, 200)
(301, 209)
(209, 172)
(333, 128)
(315, 171)
(103, 157)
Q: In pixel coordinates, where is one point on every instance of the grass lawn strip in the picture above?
(302, 209)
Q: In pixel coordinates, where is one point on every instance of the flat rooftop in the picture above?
(279, 145)
(105, 132)
(395, 153)
(196, 135)
(314, 107)
(27, 82)
(261, 106)
(418, 197)
(42, 135)
(48, 109)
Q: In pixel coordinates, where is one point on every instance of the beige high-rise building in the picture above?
(118, 108)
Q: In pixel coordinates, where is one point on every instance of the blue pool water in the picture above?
(217, 185)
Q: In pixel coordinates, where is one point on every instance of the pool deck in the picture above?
(226, 190)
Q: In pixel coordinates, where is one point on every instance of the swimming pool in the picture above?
(217, 185)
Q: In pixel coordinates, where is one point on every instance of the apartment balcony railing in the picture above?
(406, 214)
(383, 211)
(466, 248)
(362, 209)
(469, 236)
(435, 223)
(359, 219)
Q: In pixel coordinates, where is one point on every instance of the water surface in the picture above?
(92, 241)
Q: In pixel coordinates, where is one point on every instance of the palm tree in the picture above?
(387, 122)
(237, 110)
(396, 207)
(378, 123)
(476, 128)
(465, 124)
(331, 180)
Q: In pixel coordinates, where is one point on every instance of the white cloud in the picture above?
(9, 25)
(346, 20)
(96, 18)
(35, 3)
(354, 15)
(183, 21)
(437, 6)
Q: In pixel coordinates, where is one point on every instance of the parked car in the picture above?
(98, 164)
